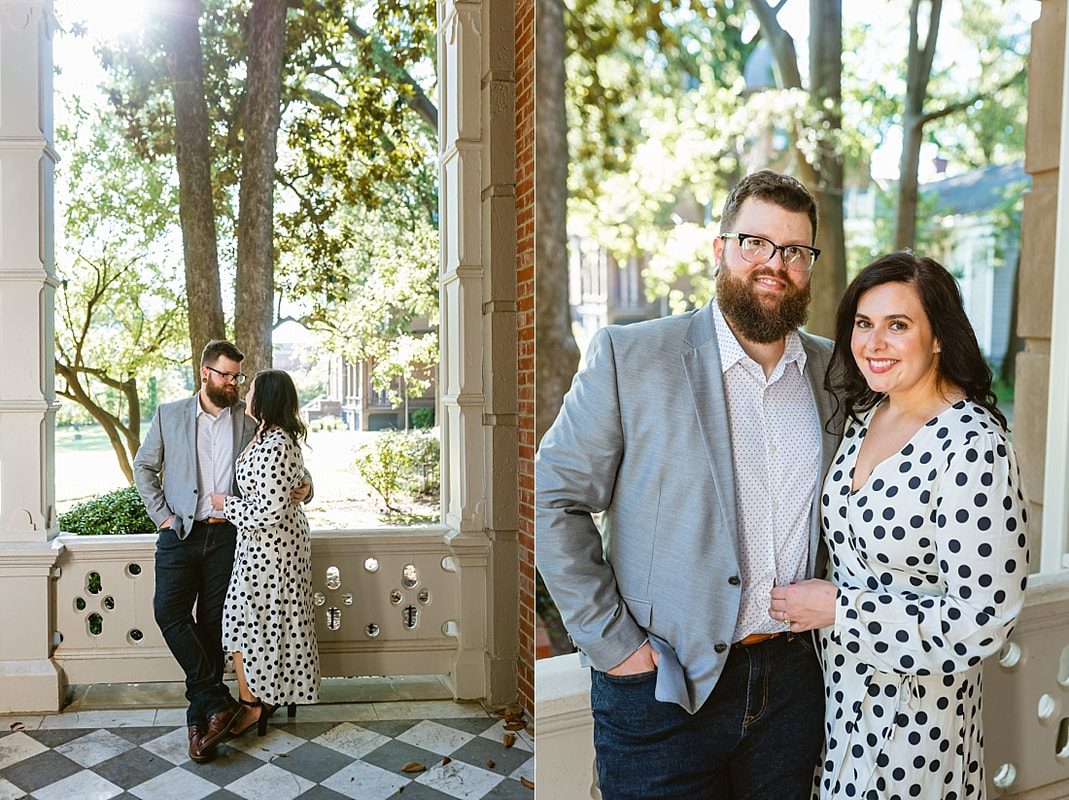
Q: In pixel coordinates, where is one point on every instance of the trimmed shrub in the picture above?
(423, 418)
(120, 511)
(399, 464)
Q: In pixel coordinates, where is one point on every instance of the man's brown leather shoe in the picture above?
(218, 726)
(196, 751)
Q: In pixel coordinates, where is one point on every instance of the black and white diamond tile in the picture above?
(327, 753)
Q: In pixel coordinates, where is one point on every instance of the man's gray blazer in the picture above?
(643, 436)
(170, 447)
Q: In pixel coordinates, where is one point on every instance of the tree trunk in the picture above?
(193, 155)
(254, 303)
(125, 438)
(824, 178)
(918, 71)
(781, 43)
(825, 82)
(556, 354)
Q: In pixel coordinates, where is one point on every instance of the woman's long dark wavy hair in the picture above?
(961, 363)
(275, 402)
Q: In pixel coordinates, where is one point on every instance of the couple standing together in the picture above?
(738, 460)
(222, 478)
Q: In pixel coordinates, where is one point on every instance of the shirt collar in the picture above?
(731, 352)
(223, 413)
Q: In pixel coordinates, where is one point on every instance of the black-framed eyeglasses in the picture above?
(759, 250)
(236, 377)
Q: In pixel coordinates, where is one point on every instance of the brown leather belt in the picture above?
(215, 520)
(754, 638)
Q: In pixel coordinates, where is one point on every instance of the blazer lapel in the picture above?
(831, 423)
(189, 428)
(243, 432)
(701, 363)
(829, 417)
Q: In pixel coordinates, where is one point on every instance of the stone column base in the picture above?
(31, 686)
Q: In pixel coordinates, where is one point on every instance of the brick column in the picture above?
(525, 321)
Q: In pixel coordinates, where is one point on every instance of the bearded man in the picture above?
(702, 438)
(197, 440)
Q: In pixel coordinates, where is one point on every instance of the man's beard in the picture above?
(751, 318)
(222, 396)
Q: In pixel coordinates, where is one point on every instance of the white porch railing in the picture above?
(1026, 709)
(387, 602)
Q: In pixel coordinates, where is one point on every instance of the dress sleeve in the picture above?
(277, 470)
(978, 523)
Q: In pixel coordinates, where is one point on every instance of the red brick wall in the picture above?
(525, 322)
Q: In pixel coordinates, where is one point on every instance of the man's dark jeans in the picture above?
(758, 736)
(196, 570)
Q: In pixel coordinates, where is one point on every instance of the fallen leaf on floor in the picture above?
(527, 783)
(514, 726)
(510, 739)
(490, 763)
(413, 766)
(17, 726)
(445, 760)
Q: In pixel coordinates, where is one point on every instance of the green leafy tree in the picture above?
(120, 315)
(962, 86)
(388, 313)
(273, 104)
(655, 133)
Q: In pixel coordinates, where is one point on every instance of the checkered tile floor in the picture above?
(341, 750)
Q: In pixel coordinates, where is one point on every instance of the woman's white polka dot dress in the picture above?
(931, 559)
(268, 615)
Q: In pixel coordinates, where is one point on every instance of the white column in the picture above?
(1056, 475)
(478, 377)
(29, 679)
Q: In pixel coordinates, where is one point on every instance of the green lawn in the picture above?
(87, 439)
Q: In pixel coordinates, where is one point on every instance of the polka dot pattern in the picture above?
(930, 583)
(268, 615)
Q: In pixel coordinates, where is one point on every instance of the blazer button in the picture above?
(734, 580)
(720, 647)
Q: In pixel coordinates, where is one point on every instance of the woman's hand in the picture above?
(804, 605)
(218, 498)
(298, 495)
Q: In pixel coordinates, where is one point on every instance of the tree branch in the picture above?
(966, 103)
(386, 67)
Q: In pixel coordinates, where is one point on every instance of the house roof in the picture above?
(979, 189)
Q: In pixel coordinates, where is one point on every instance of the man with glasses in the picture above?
(196, 442)
(703, 438)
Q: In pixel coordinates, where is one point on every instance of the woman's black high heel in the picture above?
(265, 714)
(266, 710)
(260, 722)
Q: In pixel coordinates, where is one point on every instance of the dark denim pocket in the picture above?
(638, 677)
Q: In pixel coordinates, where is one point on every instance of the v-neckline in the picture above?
(896, 454)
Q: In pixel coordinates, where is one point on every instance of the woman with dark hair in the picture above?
(268, 622)
(925, 522)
